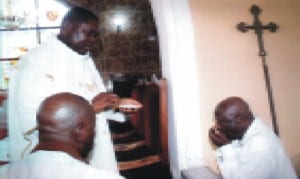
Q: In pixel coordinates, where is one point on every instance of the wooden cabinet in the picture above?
(151, 121)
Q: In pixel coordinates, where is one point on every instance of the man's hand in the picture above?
(218, 137)
(104, 101)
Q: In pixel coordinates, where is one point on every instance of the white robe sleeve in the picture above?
(255, 164)
(102, 155)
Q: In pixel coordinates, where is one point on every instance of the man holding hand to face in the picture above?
(247, 148)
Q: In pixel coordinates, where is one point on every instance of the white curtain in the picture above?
(179, 67)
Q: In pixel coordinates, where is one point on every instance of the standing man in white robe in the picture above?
(62, 64)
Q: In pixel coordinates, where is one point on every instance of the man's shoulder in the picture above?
(43, 49)
(38, 50)
(262, 138)
(37, 56)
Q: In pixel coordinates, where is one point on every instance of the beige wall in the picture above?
(229, 64)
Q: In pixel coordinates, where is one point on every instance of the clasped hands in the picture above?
(108, 100)
(218, 137)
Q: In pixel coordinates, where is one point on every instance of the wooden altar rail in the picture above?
(29, 28)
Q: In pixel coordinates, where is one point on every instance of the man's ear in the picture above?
(77, 131)
(78, 127)
(66, 27)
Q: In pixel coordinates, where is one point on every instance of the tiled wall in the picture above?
(133, 50)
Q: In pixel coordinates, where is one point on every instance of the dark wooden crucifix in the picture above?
(258, 28)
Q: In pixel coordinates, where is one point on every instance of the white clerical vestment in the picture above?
(259, 155)
(45, 70)
(53, 165)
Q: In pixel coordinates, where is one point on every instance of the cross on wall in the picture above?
(258, 28)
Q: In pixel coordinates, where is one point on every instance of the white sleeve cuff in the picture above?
(228, 152)
(116, 116)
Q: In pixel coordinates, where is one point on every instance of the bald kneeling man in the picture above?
(247, 147)
(66, 125)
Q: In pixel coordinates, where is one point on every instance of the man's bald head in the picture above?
(62, 107)
(67, 119)
(232, 103)
(233, 116)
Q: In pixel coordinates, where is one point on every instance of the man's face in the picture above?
(83, 36)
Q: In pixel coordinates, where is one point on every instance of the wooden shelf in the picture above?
(9, 59)
(30, 28)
